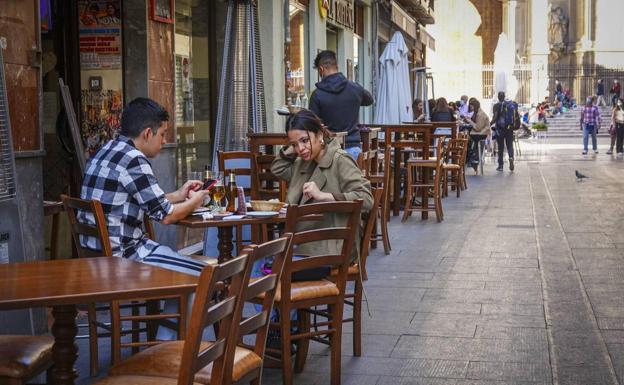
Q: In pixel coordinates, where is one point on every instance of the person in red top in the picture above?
(615, 92)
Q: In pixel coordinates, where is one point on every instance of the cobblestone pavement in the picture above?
(522, 283)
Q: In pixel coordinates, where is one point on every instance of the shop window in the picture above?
(297, 55)
(192, 87)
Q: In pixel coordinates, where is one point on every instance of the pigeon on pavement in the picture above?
(579, 176)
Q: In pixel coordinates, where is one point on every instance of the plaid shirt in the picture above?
(121, 178)
(590, 115)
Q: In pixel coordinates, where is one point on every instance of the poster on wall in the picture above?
(99, 34)
(101, 98)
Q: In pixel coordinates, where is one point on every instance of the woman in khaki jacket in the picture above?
(480, 124)
(318, 170)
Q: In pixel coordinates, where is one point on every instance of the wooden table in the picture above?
(393, 142)
(224, 229)
(64, 283)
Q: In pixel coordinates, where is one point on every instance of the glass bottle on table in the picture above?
(232, 194)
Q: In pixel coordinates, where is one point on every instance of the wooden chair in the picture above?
(193, 360)
(265, 185)
(235, 370)
(303, 295)
(226, 157)
(416, 169)
(369, 162)
(22, 357)
(357, 274)
(114, 330)
(454, 166)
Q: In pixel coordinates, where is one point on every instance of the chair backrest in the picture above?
(265, 185)
(315, 212)
(367, 160)
(239, 163)
(369, 228)
(99, 231)
(265, 287)
(207, 312)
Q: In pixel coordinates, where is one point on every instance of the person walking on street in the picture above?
(505, 120)
(590, 124)
(337, 101)
(617, 120)
(615, 92)
(600, 94)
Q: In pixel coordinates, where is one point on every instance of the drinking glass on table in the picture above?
(218, 190)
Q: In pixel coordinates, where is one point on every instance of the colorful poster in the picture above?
(100, 34)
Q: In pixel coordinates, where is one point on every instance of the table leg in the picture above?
(225, 243)
(65, 350)
(425, 195)
(54, 236)
(396, 203)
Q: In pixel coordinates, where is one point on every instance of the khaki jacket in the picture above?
(482, 124)
(336, 173)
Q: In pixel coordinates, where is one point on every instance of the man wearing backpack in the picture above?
(505, 120)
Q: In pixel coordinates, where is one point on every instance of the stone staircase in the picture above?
(567, 125)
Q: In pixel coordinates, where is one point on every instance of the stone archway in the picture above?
(491, 13)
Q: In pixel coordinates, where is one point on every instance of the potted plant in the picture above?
(540, 126)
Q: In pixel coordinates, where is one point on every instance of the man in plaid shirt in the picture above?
(121, 178)
(590, 124)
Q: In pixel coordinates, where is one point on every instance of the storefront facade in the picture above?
(290, 44)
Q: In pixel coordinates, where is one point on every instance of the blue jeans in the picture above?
(354, 151)
(586, 132)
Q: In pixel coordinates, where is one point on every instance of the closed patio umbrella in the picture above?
(394, 96)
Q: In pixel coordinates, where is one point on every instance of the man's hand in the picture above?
(197, 196)
(311, 191)
(184, 192)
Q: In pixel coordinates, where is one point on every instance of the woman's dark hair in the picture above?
(306, 120)
(476, 106)
(140, 114)
(441, 105)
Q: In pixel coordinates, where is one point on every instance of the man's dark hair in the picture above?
(140, 114)
(326, 59)
(501, 96)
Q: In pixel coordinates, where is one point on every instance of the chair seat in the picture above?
(303, 290)
(354, 270)
(163, 360)
(23, 356)
(139, 380)
(422, 162)
(450, 166)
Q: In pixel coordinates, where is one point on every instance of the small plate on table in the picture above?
(200, 210)
(262, 214)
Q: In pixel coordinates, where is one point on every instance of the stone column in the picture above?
(511, 25)
(271, 23)
(539, 50)
(148, 72)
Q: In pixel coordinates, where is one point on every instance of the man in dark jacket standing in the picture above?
(505, 119)
(337, 101)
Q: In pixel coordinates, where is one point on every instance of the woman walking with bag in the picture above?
(617, 120)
